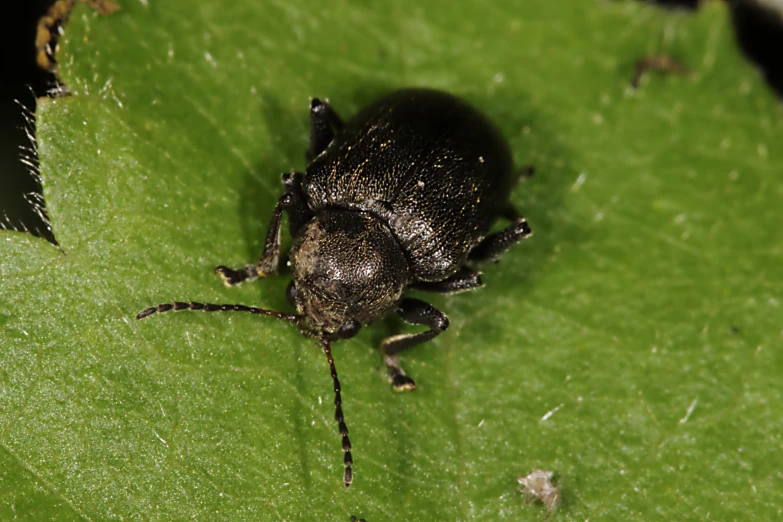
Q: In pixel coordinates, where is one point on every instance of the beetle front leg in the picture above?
(290, 202)
(323, 122)
(411, 311)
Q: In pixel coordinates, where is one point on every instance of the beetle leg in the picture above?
(290, 202)
(411, 311)
(462, 281)
(323, 122)
(494, 245)
(298, 212)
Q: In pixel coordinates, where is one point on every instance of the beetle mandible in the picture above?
(401, 197)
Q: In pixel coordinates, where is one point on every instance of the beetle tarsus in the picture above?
(233, 277)
(397, 378)
(403, 383)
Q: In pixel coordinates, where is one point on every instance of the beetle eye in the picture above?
(348, 330)
(290, 294)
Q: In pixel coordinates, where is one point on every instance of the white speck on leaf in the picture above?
(548, 415)
(579, 181)
(689, 412)
(210, 59)
(160, 438)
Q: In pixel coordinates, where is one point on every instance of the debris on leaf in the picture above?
(538, 487)
(657, 62)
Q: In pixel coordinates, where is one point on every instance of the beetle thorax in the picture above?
(347, 266)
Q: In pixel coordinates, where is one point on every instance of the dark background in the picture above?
(758, 31)
(21, 82)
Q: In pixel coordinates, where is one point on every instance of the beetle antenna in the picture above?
(338, 413)
(291, 318)
(209, 307)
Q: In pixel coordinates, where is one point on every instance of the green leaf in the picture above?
(632, 346)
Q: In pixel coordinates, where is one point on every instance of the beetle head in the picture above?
(348, 270)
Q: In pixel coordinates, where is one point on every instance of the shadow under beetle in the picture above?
(403, 196)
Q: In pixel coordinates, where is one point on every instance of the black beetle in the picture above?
(401, 197)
